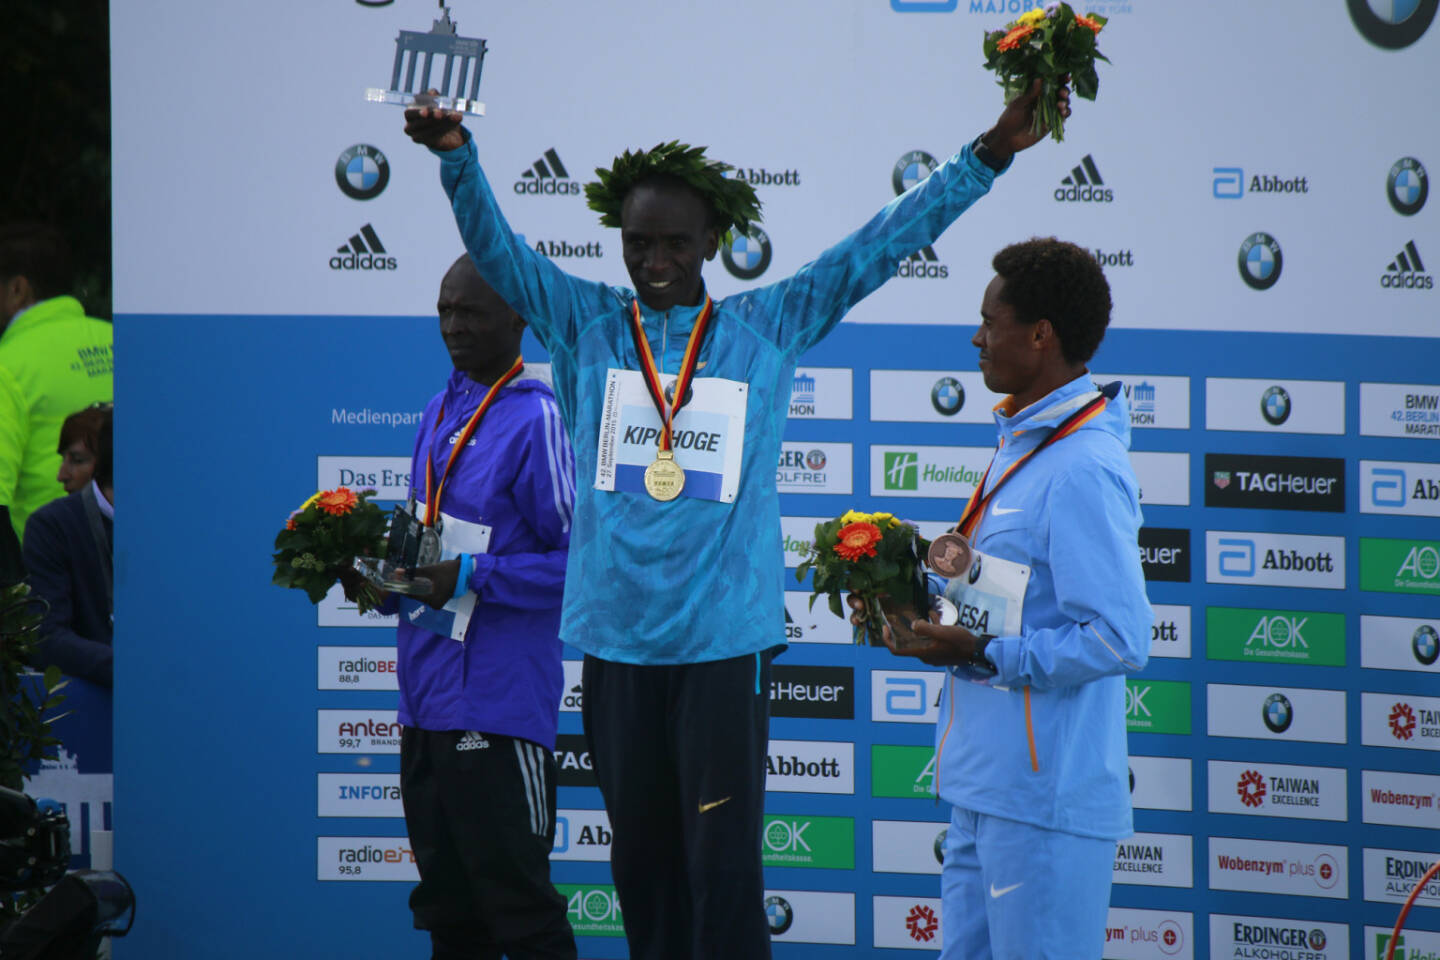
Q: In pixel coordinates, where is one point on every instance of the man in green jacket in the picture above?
(54, 360)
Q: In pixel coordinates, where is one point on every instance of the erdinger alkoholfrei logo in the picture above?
(1425, 644)
(1392, 24)
(747, 255)
(779, 914)
(1084, 185)
(1407, 186)
(1260, 261)
(1277, 713)
(815, 460)
(1407, 271)
(361, 172)
(363, 251)
(547, 176)
(1251, 788)
(947, 396)
(1275, 405)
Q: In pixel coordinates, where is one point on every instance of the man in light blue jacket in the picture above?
(674, 589)
(1052, 615)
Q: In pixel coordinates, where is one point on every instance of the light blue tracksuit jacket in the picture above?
(691, 580)
(1072, 514)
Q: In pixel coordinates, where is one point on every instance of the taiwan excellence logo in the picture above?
(1392, 24)
(361, 172)
(1277, 713)
(1251, 788)
(921, 923)
(1402, 721)
(1407, 186)
(1275, 405)
(748, 254)
(947, 396)
(1260, 261)
(1425, 644)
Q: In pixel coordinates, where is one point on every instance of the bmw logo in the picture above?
(1277, 713)
(747, 255)
(911, 169)
(669, 393)
(779, 914)
(1407, 186)
(1275, 405)
(815, 460)
(940, 847)
(1132, 779)
(975, 569)
(1392, 24)
(1260, 261)
(947, 396)
(362, 172)
(1425, 644)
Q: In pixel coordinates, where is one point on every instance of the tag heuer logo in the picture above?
(1222, 479)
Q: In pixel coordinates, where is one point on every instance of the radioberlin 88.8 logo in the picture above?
(1260, 261)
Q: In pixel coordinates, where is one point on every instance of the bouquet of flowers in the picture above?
(869, 555)
(1048, 43)
(323, 538)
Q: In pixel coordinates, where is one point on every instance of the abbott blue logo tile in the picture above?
(1229, 183)
(905, 696)
(924, 6)
(1387, 487)
(1237, 557)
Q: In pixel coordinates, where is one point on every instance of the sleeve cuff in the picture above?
(484, 566)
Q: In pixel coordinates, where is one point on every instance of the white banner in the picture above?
(1275, 713)
(1400, 410)
(1277, 790)
(1265, 866)
(1275, 406)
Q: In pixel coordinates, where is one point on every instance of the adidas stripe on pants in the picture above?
(480, 811)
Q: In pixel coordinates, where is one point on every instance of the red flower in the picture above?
(1087, 23)
(858, 540)
(337, 502)
(1012, 39)
(290, 521)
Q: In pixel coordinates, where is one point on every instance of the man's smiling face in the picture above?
(666, 237)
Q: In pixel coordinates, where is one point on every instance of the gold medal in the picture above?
(664, 479)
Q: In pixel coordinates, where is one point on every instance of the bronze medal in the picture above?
(950, 555)
(664, 479)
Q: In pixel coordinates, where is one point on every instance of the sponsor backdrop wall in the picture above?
(1254, 178)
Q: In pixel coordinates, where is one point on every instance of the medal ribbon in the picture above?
(651, 374)
(970, 519)
(432, 494)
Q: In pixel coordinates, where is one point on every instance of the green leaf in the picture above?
(835, 606)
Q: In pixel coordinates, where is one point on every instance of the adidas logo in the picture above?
(472, 741)
(1084, 185)
(363, 251)
(548, 176)
(923, 264)
(1407, 271)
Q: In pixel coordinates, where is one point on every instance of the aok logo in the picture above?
(787, 836)
(902, 471)
(1135, 702)
(1279, 631)
(590, 906)
(1422, 562)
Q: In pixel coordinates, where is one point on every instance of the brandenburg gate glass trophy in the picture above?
(415, 55)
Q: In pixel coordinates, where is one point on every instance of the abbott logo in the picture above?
(905, 696)
(1387, 487)
(1229, 183)
(902, 471)
(1237, 557)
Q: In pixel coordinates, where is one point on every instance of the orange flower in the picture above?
(858, 540)
(337, 502)
(1012, 39)
(290, 520)
(1086, 22)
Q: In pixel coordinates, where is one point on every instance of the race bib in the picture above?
(708, 438)
(456, 537)
(991, 597)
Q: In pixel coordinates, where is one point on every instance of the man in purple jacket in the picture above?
(479, 658)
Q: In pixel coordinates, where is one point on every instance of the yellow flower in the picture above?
(886, 518)
(1034, 16)
(854, 516)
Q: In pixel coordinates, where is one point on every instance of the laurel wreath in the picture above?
(732, 202)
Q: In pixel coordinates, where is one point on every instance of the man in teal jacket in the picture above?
(54, 360)
(676, 598)
(1052, 615)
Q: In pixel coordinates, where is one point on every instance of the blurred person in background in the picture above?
(54, 360)
(79, 439)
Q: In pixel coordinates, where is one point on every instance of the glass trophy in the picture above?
(415, 55)
(409, 546)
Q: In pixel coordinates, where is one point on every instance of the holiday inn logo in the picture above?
(902, 470)
(927, 471)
